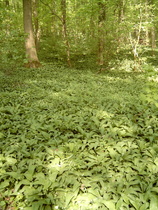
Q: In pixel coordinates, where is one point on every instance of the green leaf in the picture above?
(2, 203)
(144, 206)
(119, 204)
(1, 135)
(68, 198)
(11, 160)
(28, 176)
(156, 161)
(154, 202)
(53, 175)
(47, 207)
(112, 152)
(109, 204)
(37, 205)
(125, 198)
(71, 146)
(15, 175)
(30, 191)
(23, 182)
(135, 203)
(4, 184)
(154, 189)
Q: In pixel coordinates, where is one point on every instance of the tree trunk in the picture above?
(121, 14)
(147, 41)
(7, 3)
(101, 33)
(153, 30)
(92, 22)
(36, 23)
(31, 52)
(53, 23)
(120, 11)
(153, 39)
(64, 30)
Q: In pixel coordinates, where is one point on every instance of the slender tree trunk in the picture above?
(147, 41)
(92, 22)
(120, 11)
(153, 39)
(7, 3)
(101, 33)
(36, 23)
(64, 31)
(135, 44)
(31, 52)
(53, 29)
(153, 31)
(121, 8)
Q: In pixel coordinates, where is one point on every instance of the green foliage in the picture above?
(12, 52)
(11, 36)
(73, 139)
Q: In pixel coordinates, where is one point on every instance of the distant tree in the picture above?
(36, 27)
(101, 32)
(64, 31)
(31, 53)
(6, 2)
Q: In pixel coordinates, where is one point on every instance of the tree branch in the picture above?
(53, 13)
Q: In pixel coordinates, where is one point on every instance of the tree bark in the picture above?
(120, 11)
(7, 3)
(153, 30)
(153, 40)
(121, 16)
(64, 30)
(147, 41)
(36, 23)
(101, 33)
(30, 47)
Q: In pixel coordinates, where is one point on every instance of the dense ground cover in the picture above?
(73, 139)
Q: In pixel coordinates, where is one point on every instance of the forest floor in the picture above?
(72, 139)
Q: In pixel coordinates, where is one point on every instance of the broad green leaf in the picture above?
(144, 206)
(47, 207)
(2, 203)
(109, 204)
(112, 152)
(119, 204)
(30, 191)
(4, 184)
(53, 175)
(23, 182)
(154, 202)
(68, 197)
(15, 175)
(71, 146)
(125, 198)
(154, 189)
(94, 192)
(135, 203)
(28, 176)
(11, 160)
(1, 135)
(37, 205)
(156, 161)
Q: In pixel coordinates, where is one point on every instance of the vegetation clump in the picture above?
(74, 139)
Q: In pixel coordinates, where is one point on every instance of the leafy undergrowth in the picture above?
(73, 139)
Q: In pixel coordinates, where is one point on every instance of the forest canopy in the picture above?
(75, 31)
